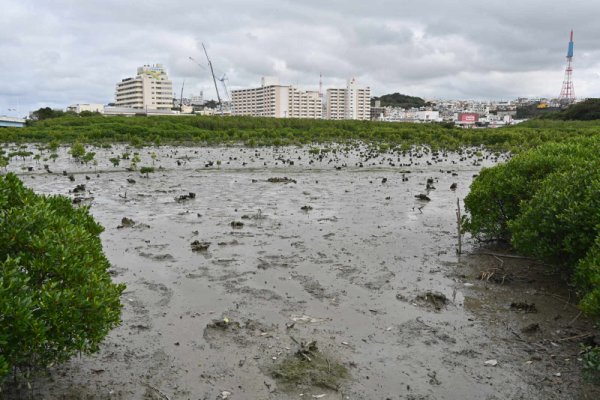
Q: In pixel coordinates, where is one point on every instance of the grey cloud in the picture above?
(73, 51)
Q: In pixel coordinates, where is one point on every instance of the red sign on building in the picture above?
(468, 118)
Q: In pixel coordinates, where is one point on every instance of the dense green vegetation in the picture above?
(56, 295)
(546, 203)
(532, 111)
(204, 130)
(399, 100)
(49, 113)
(584, 111)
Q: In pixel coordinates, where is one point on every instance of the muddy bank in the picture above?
(338, 248)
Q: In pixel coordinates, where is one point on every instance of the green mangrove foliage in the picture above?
(584, 111)
(146, 170)
(215, 130)
(77, 150)
(56, 295)
(546, 203)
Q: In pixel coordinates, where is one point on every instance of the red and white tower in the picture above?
(567, 92)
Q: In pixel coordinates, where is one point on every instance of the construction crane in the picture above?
(222, 80)
(181, 97)
(213, 74)
(197, 63)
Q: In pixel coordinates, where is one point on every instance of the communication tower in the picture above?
(567, 92)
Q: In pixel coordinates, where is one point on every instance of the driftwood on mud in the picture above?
(459, 250)
(503, 255)
(159, 392)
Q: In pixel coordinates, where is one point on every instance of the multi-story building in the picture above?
(150, 89)
(197, 100)
(278, 101)
(378, 112)
(353, 102)
(78, 108)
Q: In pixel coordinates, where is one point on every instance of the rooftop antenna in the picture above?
(321, 86)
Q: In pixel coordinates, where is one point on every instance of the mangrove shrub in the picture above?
(56, 295)
(546, 202)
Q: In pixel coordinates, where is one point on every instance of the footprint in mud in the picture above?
(380, 281)
(314, 287)
(275, 261)
(157, 257)
(201, 272)
(298, 245)
(165, 293)
(321, 258)
(222, 332)
(347, 271)
(252, 294)
(416, 329)
(141, 320)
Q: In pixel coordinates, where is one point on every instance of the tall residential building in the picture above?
(353, 102)
(278, 101)
(151, 89)
(197, 100)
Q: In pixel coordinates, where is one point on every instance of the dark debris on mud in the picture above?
(308, 367)
(285, 179)
(433, 300)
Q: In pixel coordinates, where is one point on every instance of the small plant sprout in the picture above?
(147, 170)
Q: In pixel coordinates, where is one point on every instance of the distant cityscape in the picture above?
(150, 92)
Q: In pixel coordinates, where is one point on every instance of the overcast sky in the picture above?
(59, 52)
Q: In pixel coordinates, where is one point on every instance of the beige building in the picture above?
(353, 102)
(274, 100)
(78, 108)
(151, 89)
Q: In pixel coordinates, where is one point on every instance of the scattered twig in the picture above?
(504, 256)
(459, 250)
(568, 301)
(157, 390)
(500, 260)
(575, 319)
(582, 336)
(556, 296)
(517, 335)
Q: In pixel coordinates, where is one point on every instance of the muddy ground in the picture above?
(340, 252)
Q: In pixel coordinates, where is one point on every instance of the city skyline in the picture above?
(75, 52)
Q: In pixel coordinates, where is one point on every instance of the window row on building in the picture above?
(279, 101)
(150, 89)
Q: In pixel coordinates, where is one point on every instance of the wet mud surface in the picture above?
(284, 245)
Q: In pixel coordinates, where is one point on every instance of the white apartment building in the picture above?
(278, 101)
(197, 100)
(150, 89)
(400, 115)
(353, 102)
(78, 108)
